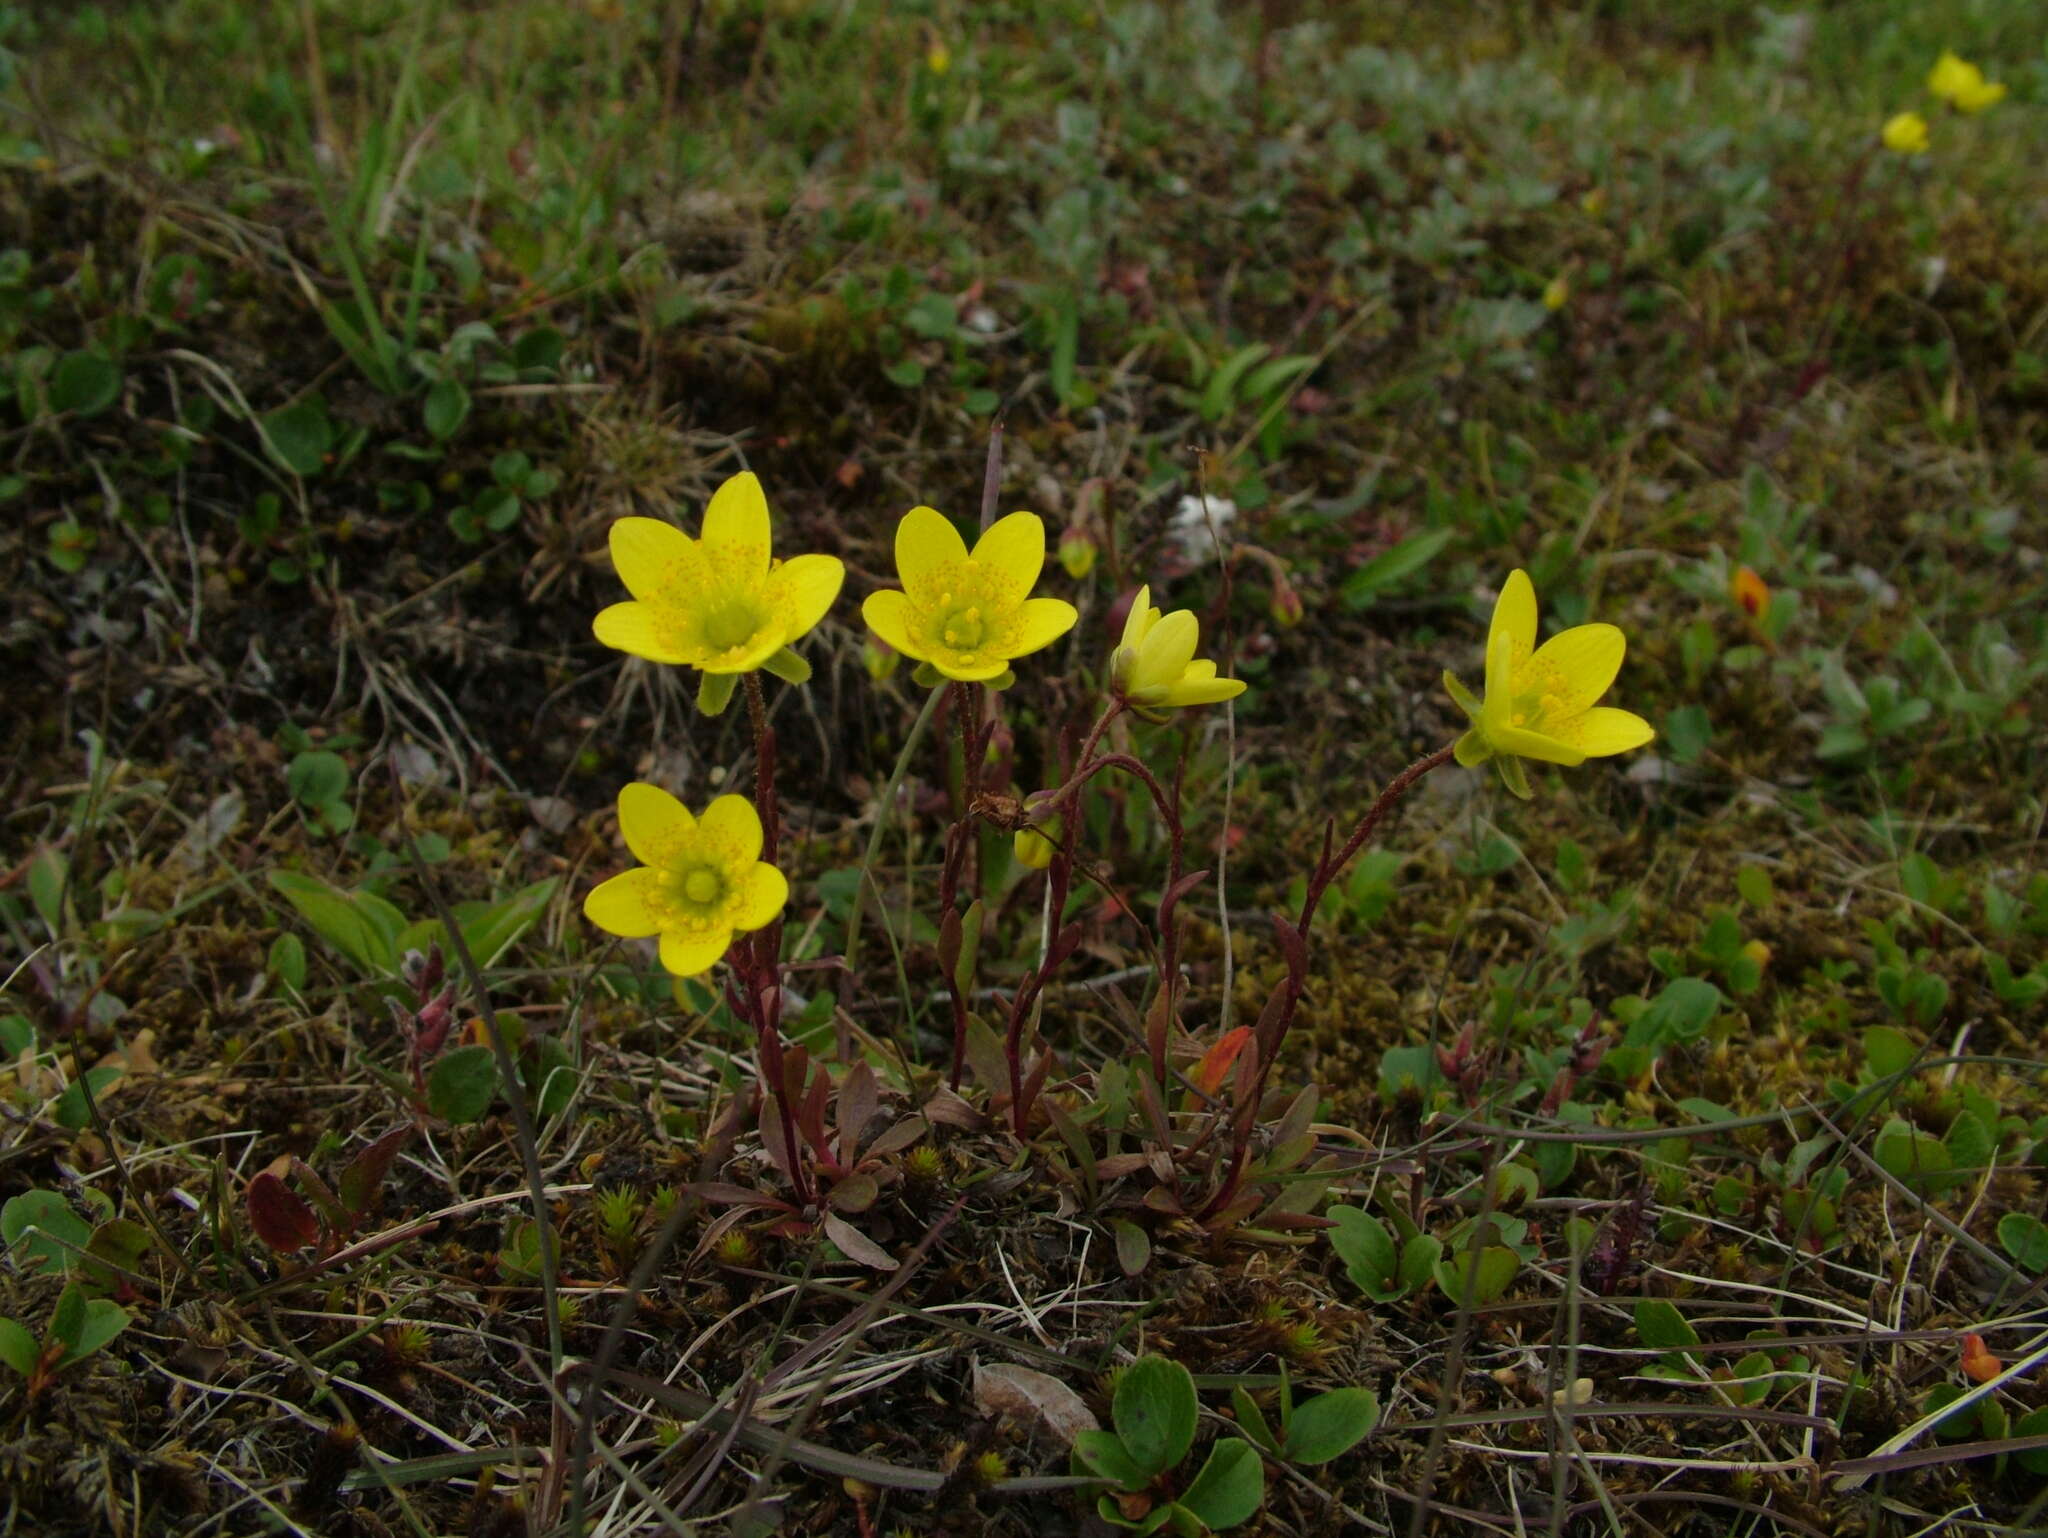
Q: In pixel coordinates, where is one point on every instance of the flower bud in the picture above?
(879, 658)
(1077, 552)
(1286, 606)
(1751, 593)
(1556, 292)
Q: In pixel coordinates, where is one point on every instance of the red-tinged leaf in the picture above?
(1159, 1022)
(1234, 1212)
(1063, 945)
(1979, 1365)
(898, 1137)
(362, 1179)
(859, 1099)
(1289, 1220)
(1214, 1067)
(1173, 894)
(1292, 946)
(857, 1246)
(856, 1193)
(723, 1193)
(772, 1142)
(949, 1110)
(1273, 1016)
(281, 1219)
(1116, 1166)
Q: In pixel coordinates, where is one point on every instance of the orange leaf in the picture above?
(1214, 1067)
(1978, 1362)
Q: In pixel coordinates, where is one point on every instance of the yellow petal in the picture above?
(620, 907)
(1514, 616)
(766, 893)
(763, 646)
(1603, 731)
(736, 826)
(738, 514)
(978, 669)
(652, 821)
(812, 583)
(1168, 648)
(1520, 742)
(631, 628)
(693, 954)
(926, 544)
(1141, 618)
(1196, 690)
(1498, 706)
(889, 614)
(1044, 621)
(1572, 669)
(1014, 548)
(653, 558)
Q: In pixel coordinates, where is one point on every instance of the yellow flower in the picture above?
(1155, 666)
(1975, 98)
(700, 878)
(721, 603)
(967, 614)
(1557, 292)
(1906, 133)
(1539, 700)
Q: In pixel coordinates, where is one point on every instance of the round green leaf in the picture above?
(85, 382)
(1154, 1411)
(447, 406)
(1331, 1424)
(42, 1230)
(299, 436)
(1230, 1486)
(462, 1085)
(317, 779)
(2025, 1238)
(18, 1348)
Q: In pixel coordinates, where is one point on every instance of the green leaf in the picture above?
(1368, 1251)
(1154, 1410)
(714, 692)
(1470, 1282)
(67, 1321)
(1661, 1327)
(299, 436)
(287, 961)
(317, 778)
(1391, 567)
(788, 666)
(1230, 1486)
(20, 1350)
(1251, 1420)
(447, 404)
(556, 1077)
(1970, 1143)
(104, 1319)
(1687, 731)
(361, 925)
(1221, 387)
(1685, 1008)
(117, 1245)
(1133, 1246)
(43, 1231)
(539, 348)
(1103, 1454)
(85, 382)
(2033, 1424)
(2025, 1238)
(462, 1085)
(906, 373)
(17, 1035)
(362, 1178)
(496, 508)
(1916, 1158)
(1888, 1050)
(72, 1110)
(1331, 1424)
(1418, 1260)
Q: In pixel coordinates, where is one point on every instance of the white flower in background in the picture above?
(1196, 531)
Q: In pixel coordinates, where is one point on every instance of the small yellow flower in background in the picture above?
(1751, 593)
(938, 58)
(1906, 134)
(1962, 84)
(1077, 552)
(700, 880)
(1594, 201)
(1539, 700)
(1556, 292)
(722, 604)
(1156, 668)
(968, 615)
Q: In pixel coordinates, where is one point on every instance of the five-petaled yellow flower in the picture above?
(700, 879)
(1156, 668)
(1958, 81)
(721, 603)
(968, 614)
(1905, 133)
(1539, 699)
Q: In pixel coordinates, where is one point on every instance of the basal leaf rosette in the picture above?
(721, 603)
(1155, 668)
(968, 614)
(1540, 699)
(701, 880)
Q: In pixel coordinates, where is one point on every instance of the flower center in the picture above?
(962, 629)
(702, 887)
(732, 623)
(1533, 709)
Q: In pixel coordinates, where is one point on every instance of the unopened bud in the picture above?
(1751, 593)
(1077, 552)
(1286, 605)
(1556, 292)
(879, 658)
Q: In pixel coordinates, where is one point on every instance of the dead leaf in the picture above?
(1002, 1388)
(857, 1246)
